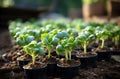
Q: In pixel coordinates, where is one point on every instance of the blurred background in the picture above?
(95, 10)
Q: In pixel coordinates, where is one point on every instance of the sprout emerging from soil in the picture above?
(34, 49)
(49, 41)
(116, 35)
(102, 34)
(66, 46)
(84, 38)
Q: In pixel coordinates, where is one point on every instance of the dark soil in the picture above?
(10, 70)
(34, 66)
(88, 54)
(69, 63)
(51, 60)
(105, 49)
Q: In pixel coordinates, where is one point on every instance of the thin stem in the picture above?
(33, 59)
(116, 40)
(49, 52)
(97, 41)
(66, 56)
(69, 55)
(85, 47)
(102, 46)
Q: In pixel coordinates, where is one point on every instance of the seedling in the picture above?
(49, 40)
(84, 38)
(66, 45)
(116, 35)
(24, 39)
(34, 49)
(102, 34)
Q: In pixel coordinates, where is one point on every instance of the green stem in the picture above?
(97, 41)
(69, 54)
(85, 48)
(102, 46)
(116, 40)
(66, 55)
(33, 59)
(49, 52)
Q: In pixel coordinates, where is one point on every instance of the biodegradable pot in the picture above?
(68, 72)
(87, 60)
(104, 55)
(35, 73)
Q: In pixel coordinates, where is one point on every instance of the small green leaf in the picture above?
(55, 41)
(20, 42)
(29, 39)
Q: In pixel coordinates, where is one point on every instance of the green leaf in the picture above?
(29, 39)
(59, 35)
(55, 41)
(59, 49)
(20, 42)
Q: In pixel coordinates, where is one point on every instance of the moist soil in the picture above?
(69, 63)
(10, 70)
(35, 65)
(105, 49)
(88, 54)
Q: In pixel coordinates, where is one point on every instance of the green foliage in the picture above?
(62, 34)
(115, 35)
(34, 49)
(24, 39)
(84, 38)
(93, 1)
(49, 41)
(102, 34)
(66, 45)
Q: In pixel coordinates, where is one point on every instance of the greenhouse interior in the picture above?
(59, 39)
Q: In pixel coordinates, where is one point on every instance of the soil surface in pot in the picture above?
(88, 54)
(105, 49)
(34, 66)
(51, 60)
(104, 70)
(69, 63)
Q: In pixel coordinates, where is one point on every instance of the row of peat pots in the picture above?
(57, 66)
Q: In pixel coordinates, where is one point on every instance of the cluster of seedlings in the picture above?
(61, 47)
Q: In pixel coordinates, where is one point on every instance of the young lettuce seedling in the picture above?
(102, 35)
(72, 32)
(24, 39)
(62, 35)
(49, 41)
(116, 35)
(36, 33)
(84, 38)
(34, 49)
(66, 45)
